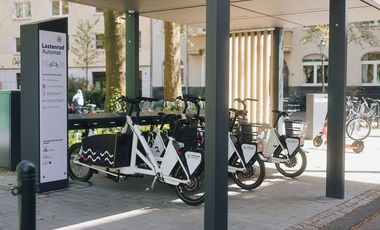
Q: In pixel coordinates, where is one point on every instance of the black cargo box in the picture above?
(108, 150)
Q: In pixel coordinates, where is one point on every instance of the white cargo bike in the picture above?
(129, 154)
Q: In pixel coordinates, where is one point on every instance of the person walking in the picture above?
(78, 101)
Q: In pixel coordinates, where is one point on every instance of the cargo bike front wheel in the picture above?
(76, 171)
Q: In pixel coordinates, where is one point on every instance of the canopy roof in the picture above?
(245, 14)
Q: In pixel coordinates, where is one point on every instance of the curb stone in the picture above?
(323, 219)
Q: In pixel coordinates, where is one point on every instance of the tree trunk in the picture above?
(114, 45)
(172, 62)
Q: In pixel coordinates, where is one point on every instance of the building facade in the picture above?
(302, 62)
(20, 12)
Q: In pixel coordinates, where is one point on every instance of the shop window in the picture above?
(22, 10)
(370, 64)
(312, 69)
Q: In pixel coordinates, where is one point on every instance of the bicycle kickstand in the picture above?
(154, 182)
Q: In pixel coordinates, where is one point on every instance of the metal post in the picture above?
(217, 48)
(132, 54)
(323, 76)
(277, 77)
(322, 48)
(26, 190)
(336, 99)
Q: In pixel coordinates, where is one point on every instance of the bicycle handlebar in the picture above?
(194, 100)
(134, 103)
(243, 101)
(190, 98)
(280, 114)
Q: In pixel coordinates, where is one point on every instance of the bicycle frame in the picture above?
(159, 171)
(270, 147)
(290, 144)
(248, 152)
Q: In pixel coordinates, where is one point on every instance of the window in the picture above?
(99, 41)
(17, 45)
(182, 67)
(18, 80)
(371, 68)
(312, 69)
(98, 10)
(59, 8)
(140, 83)
(22, 10)
(140, 39)
(98, 80)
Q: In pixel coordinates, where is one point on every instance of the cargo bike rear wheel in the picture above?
(192, 193)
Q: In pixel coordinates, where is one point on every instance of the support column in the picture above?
(217, 48)
(277, 77)
(132, 54)
(336, 99)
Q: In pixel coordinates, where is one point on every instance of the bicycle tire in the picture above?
(317, 141)
(74, 169)
(257, 167)
(196, 187)
(358, 146)
(358, 128)
(282, 167)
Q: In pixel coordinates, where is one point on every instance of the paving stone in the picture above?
(281, 203)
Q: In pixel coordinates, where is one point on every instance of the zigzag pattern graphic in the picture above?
(98, 158)
(110, 162)
(106, 159)
(101, 154)
(93, 160)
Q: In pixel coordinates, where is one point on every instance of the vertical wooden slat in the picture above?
(259, 70)
(272, 82)
(253, 76)
(265, 79)
(230, 80)
(246, 73)
(240, 69)
(269, 70)
(233, 68)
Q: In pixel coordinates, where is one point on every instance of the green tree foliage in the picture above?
(358, 33)
(83, 45)
(115, 105)
(91, 96)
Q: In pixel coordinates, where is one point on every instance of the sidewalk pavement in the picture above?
(279, 203)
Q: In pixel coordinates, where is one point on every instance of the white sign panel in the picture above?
(53, 106)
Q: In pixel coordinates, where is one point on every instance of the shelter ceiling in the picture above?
(245, 14)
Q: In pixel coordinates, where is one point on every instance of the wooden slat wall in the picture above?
(250, 72)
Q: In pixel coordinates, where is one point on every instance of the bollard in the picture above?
(26, 192)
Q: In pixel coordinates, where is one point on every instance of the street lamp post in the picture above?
(322, 47)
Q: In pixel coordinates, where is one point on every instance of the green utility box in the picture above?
(9, 129)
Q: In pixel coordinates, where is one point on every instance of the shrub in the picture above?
(91, 96)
